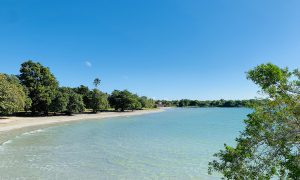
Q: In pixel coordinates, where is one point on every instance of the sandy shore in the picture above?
(15, 123)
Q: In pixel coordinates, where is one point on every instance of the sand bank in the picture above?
(15, 123)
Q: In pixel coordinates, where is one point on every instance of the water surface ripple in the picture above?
(176, 144)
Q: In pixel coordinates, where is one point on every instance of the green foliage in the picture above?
(104, 103)
(214, 103)
(14, 80)
(124, 100)
(75, 103)
(95, 99)
(99, 100)
(146, 102)
(60, 102)
(12, 95)
(166, 103)
(184, 103)
(97, 82)
(270, 144)
(41, 85)
(269, 77)
(67, 100)
(28, 102)
(136, 104)
(86, 95)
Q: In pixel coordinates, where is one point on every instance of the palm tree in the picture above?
(97, 82)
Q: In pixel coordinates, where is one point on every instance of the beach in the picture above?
(16, 123)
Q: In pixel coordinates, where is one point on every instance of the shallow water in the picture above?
(176, 144)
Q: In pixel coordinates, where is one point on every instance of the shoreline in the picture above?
(25, 124)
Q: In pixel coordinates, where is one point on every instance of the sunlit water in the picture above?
(176, 144)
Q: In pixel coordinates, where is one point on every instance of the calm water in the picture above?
(176, 144)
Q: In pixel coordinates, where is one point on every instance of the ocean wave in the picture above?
(7, 142)
(19, 136)
(33, 132)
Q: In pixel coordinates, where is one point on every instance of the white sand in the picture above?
(15, 123)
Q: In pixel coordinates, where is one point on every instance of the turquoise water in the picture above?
(176, 144)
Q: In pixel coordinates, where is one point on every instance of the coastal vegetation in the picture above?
(269, 147)
(207, 103)
(37, 90)
(98, 100)
(13, 97)
(124, 100)
(41, 85)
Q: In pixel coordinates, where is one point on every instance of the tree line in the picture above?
(36, 90)
(207, 103)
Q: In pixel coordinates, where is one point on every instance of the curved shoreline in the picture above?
(19, 123)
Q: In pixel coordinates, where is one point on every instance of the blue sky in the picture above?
(171, 49)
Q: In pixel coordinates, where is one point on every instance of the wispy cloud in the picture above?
(88, 64)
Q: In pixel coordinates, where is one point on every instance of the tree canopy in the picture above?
(123, 100)
(146, 102)
(97, 82)
(206, 103)
(60, 102)
(75, 103)
(85, 92)
(99, 100)
(41, 85)
(12, 95)
(270, 144)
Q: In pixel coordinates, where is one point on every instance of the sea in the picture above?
(175, 144)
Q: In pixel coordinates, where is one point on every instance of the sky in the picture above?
(164, 49)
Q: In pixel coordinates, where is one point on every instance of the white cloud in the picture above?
(88, 64)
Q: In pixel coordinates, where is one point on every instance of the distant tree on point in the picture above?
(97, 82)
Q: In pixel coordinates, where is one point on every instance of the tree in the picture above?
(194, 103)
(41, 85)
(14, 80)
(104, 103)
(97, 82)
(60, 102)
(99, 100)
(75, 103)
(230, 103)
(136, 104)
(270, 144)
(86, 95)
(146, 103)
(12, 95)
(122, 100)
(184, 103)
